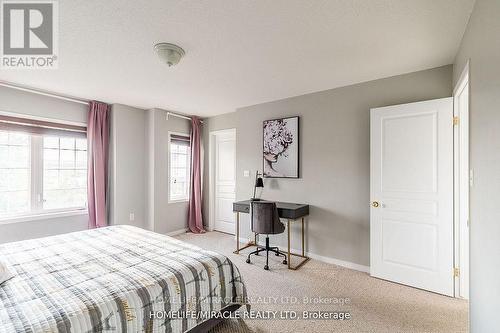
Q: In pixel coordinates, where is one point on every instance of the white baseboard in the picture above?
(177, 232)
(328, 260)
(338, 262)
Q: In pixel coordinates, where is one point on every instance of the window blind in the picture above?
(181, 140)
(32, 126)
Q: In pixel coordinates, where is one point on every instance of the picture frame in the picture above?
(280, 147)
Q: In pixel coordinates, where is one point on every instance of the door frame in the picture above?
(211, 172)
(461, 195)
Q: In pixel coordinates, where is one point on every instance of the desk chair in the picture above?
(265, 220)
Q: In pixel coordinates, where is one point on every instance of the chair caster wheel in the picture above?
(266, 268)
(285, 262)
(248, 260)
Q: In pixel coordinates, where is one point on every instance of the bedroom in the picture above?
(144, 148)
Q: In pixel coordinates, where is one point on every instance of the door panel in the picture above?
(225, 181)
(409, 153)
(224, 215)
(226, 150)
(411, 179)
(409, 244)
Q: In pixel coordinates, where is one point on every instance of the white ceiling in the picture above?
(242, 52)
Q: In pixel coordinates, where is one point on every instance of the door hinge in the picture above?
(456, 272)
(455, 121)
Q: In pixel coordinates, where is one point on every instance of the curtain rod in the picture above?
(67, 98)
(179, 116)
(43, 92)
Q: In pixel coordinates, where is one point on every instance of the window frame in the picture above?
(171, 199)
(36, 211)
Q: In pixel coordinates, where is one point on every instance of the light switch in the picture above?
(132, 216)
(246, 173)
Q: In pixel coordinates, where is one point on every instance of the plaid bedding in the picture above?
(113, 279)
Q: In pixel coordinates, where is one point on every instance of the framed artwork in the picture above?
(281, 148)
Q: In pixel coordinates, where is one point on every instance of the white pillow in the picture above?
(5, 272)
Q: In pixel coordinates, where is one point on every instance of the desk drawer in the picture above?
(241, 208)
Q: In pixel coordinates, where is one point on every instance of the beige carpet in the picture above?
(375, 305)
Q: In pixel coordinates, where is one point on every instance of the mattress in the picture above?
(114, 279)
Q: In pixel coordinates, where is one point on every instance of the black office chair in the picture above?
(265, 220)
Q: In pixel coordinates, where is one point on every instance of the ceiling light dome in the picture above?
(169, 53)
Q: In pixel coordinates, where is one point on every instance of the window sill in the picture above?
(43, 216)
(172, 201)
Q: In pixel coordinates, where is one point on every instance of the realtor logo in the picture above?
(29, 34)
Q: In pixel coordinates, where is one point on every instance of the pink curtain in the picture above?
(98, 146)
(195, 220)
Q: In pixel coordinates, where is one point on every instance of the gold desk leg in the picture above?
(303, 256)
(288, 230)
(303, 252)
(250, 243)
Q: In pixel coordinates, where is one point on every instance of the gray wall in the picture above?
(18, 231)
(29, 104)
(16, 101)
(164, 217)
(335, 156)
(481, 45)
(139, 169)
(128, 165)
(150, 170)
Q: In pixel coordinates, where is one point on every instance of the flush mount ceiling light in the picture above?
(169, 53)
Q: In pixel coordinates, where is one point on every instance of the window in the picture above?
(41, 171)
(179, 167)
(15, 169)
(64, 172)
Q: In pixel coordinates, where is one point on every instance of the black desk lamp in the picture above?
(259, 182)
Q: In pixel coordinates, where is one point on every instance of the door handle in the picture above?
(375, 204)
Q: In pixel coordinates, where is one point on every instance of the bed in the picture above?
(115, 279)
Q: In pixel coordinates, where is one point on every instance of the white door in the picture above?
(225, 181)
(411, 185)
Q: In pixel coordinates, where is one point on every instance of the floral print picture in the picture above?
(281, 148)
